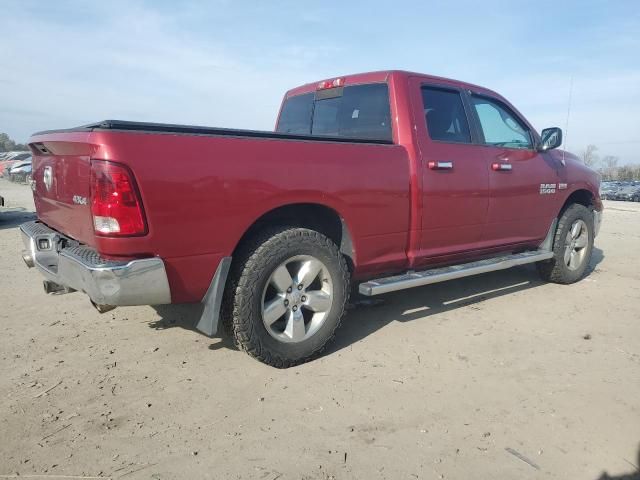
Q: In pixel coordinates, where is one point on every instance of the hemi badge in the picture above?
(562, 186)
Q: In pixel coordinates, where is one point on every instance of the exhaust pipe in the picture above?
(102, 308)
(53, 288)
(28, 259)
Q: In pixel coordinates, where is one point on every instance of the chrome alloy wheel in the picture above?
(575, 245)
(297, 299)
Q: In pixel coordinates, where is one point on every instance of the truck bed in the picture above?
(122, 125)
(201, 188)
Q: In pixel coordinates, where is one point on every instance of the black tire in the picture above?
(556, 270)
(251, 272)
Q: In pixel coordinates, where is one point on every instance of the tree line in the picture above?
(608, 166)
(7, 144)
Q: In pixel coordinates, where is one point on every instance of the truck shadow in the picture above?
(369, 314)
(366, 315)
(635, 475)
(186, 315)
(13, 217)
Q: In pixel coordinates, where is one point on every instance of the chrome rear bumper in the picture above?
(77, 267)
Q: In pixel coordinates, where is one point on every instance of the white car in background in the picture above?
(20, 171)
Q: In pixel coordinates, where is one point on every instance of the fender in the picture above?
(212, 300)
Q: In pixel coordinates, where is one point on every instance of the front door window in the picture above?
(500, 127)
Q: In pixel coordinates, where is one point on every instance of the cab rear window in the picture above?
(358, 112)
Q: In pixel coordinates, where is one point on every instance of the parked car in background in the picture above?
(16, 155)
(390, 180)
(628, 194)
(11, 159)
(608, 190)
(20, 171)
(620, 190)
(4, 164)
(622, 194)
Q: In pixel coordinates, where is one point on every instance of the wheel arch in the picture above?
(315, 216)
(580, 196)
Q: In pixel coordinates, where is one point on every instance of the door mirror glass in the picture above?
(550, 138)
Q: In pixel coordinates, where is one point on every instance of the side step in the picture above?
(436, 275)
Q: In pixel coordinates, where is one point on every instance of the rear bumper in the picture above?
(65, 262)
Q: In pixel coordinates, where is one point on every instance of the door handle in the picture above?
(440, 165)
(501, 167)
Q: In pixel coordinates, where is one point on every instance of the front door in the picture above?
(523, 183)
(455, 180)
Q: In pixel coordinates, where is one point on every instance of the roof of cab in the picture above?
(384, 76)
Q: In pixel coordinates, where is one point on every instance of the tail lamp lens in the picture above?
(115, 201)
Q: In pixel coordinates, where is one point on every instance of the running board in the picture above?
(436, 275)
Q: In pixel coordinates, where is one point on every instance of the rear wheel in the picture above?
(289, 291)
(572, 247)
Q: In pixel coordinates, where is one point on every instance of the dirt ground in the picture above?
(499, 376)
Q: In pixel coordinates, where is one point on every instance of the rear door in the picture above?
(523, 183)
(455, 180)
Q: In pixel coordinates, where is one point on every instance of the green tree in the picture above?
(7, 144)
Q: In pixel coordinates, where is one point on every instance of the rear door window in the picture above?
(358, 112)
(445, 115)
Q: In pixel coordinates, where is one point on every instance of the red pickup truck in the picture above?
(385, 180)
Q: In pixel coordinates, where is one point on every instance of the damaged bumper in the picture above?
(70, 266)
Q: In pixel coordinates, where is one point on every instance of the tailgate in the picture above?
(61, 176)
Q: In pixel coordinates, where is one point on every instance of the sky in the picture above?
(227, 63)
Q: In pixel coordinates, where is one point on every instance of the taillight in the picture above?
(115, 202)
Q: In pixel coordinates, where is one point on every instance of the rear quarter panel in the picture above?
(201, 194)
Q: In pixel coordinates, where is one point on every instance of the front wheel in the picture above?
(572, 247)
(288, 291)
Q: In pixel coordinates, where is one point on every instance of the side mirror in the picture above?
(550, 138)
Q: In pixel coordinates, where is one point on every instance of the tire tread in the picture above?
(554, 270)
(241, 291)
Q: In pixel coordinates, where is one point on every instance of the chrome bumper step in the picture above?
(436, 275)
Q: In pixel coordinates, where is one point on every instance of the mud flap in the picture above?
(212, 300)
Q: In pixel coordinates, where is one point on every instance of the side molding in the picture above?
(212, 300)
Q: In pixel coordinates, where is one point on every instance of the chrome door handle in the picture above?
(501, 167)
(440, 165)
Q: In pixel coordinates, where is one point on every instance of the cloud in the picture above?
(137, 64)
(226, 63)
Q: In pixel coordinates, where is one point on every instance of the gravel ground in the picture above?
(499, 376)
